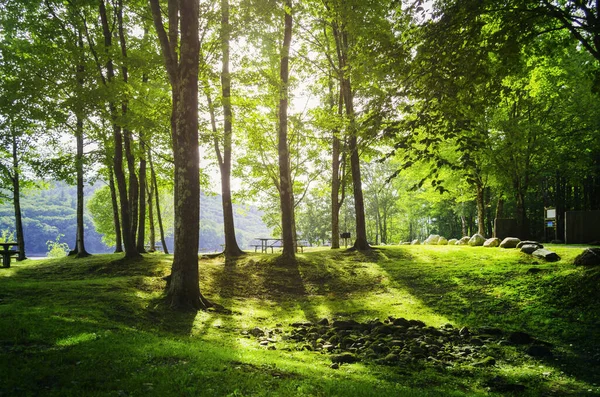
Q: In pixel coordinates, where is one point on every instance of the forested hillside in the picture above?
(49, 214)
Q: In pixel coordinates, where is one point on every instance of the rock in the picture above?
(528, 248)
(534, 270)
(323, 321)
(464, 331)
(391, 358)
(328, 347)
(546, 255)
(401, 321)
(477, 240)
(415, 242)
(463, 241)
(539, 351)
(334, 366)
(492, 242)
(529, 242)
(510, 242)
(520, 338)
(452, 241)
(589, 257)
(442, 241)
(416, 323)
(432, 239)
(344, 358)
(305, 324)
(343, 324)
(486, 362)
(256, 332)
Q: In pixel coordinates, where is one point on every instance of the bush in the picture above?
(56, 249)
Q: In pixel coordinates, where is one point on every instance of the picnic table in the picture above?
(266, 243)
(7, 253)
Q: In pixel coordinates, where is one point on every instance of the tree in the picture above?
(182, 68)
(224, 156)
(285, 177)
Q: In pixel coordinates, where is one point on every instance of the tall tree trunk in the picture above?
(80, 250)
(80, 243)
(157, 200)
(127, 136)
(128, 242)
(115, 207)
(285, 179)
(480, 209)
(134, 185)
(337, 175)
(231, 246)
(141, 234)
(183, 291)
(521, 215)
(17, 200)
(149, 193)
(499, 210)
(361, 242)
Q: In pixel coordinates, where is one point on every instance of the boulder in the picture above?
(546, 255)
(539, 351)
(442, 241)
(492, 242)
(463, 241)
(477, 240)
(528, 242)
(529, 248)
(432, 239)
(510, 242)
(589, 257)
(344, 358)
(520, 338)
(416, 242)
(452, 241)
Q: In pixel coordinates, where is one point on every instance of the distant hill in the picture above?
(50, 213)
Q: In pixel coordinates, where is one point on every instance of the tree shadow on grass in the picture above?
(104, 265)
(263, 278)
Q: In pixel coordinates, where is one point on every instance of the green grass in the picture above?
(98, 326)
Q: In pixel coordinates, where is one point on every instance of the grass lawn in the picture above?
(98, 326)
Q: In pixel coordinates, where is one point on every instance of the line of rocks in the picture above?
(477, 240)
(398, 341)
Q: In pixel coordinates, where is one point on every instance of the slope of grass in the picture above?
(98, 326)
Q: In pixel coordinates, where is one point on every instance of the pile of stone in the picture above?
(398, 341)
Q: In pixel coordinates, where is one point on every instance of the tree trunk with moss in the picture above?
(183, 291)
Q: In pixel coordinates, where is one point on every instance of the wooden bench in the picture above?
(6, 254)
